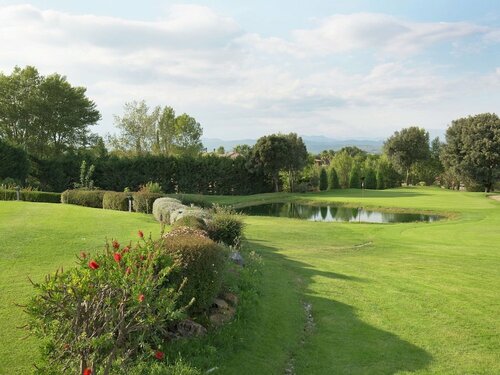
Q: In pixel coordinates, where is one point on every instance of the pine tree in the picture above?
(355, 177)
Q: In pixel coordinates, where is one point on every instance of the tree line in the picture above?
(45, 135)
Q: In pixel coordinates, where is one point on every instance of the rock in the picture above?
(220, 317)
(188, 328)
(236, 257)
(220, 304)
(231, 298)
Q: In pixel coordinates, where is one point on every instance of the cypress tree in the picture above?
(323, 180)
(333, 180)
(355, 177)
(371, 179)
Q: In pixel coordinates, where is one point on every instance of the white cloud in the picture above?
(241, 84)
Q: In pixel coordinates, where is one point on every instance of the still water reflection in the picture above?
(333, 213)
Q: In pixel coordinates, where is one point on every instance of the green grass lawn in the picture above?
(413, 298)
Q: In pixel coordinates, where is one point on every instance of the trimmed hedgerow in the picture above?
(143, 201)
(87, 198)
(115, 201)
(31, 196)
(200, 262)
(191, 199)
(163, 208)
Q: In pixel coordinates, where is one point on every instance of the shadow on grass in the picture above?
(341, 343)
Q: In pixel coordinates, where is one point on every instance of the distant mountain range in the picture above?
(314, 144)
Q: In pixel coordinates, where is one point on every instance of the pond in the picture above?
(333, 213)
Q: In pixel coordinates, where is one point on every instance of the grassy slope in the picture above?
(416, 298)
(36, 239)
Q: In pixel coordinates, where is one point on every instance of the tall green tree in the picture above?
(14, 162)
(355, 177)
(406, 147)
(370, 179)
(333, 180)
(188, 132)
(472, 150)
(278, 152)
(44, 115)
(343, 162)
(323, 180)
(157, 131)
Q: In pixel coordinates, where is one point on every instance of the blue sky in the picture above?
(343, 69)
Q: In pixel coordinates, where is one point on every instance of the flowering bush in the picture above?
(112, 309)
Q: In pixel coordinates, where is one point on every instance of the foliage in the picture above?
(44, 115)
(152, 367)
(199, 263)
(14, 162)
(191, 222)
(355, 177)
(112, 200)
(387, 176)
(277, 152)
(113, 309)
(333, 180)
(158, 132)
(86, 181)
(370, 179)
(151, 187)
(472, 150)
(87, 198)
(226, 227)
(30, 196)
(406, 147)
(323, 179)
(343, 162)
(143, 202)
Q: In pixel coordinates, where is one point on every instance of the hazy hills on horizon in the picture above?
(315, 143)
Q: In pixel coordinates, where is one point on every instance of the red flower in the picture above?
(87, 371)
(159, 355)
(116, 245)
(140, 234)
(117, 257)
(141, 298)
(93, 264)
(126, 249)
(127, 271)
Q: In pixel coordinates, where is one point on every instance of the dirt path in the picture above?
(495, 197)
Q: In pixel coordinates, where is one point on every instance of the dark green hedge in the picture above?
(87, 198)
(14, 162)
(31, 196)
(198, 175)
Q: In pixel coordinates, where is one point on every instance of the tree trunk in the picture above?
(407, 176)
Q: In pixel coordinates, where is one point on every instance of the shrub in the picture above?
(191, 222)
(189, 231)
(143, 202)
(163, 208)
(226, 227)
(200, 262)
(114, 308)
(87, 198)
(30, 196)
(151, 187)
(115, 201)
